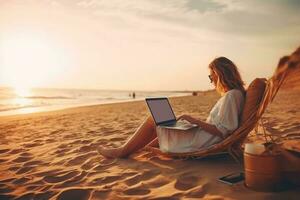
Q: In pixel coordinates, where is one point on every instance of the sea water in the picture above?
(20, 100)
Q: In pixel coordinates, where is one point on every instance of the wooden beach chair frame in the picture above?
(233, 143)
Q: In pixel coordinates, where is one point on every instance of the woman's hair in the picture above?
(228, 76)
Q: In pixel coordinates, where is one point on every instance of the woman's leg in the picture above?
(143, 136)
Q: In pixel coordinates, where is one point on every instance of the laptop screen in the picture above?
(161, 110)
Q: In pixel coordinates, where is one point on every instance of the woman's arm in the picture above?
(205, 126)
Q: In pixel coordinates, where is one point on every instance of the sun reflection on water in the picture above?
(22, 91)
(20, 96)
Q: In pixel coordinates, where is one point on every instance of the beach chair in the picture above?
(258, 96)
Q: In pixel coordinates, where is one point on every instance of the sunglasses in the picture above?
(210, 78)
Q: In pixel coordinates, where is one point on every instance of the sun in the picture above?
(30, 59)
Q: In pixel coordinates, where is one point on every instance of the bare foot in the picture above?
(111, 152)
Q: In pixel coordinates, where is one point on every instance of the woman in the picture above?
(221, 122)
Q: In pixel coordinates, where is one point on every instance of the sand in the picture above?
(53, 155)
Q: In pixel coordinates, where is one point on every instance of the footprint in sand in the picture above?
(137, 191)
(80, 159)
(87, 148)
(107, 131)
(146, 175)
(100, 194)
(186, 182)
(60, 177)
(62, 146)
(21, 181)
(61, 152)
(50, 141)
(25, 154)
(86, 141)
(45, 195)
(73, 181)
(38, 140)
(24, 170)
(29, 145)
(117, 139)
(78, 194)
(92, 132)
(105, 180)
(70, 136)
(52, 172)
(134, 180)
(14, 168)
(75, 142)
(22, 159)
(57, 131)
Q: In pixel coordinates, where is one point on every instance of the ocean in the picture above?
(20, 100)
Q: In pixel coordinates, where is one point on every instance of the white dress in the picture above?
(224, 115)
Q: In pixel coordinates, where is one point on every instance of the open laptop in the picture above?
(163, 115)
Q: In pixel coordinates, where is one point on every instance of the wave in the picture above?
(17, 108)
(48, 97)
(108, 98)
(113, 98)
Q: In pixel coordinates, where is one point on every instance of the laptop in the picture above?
(163, 115)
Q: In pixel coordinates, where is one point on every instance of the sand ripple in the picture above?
(54, 156)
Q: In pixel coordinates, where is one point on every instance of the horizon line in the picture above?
(127, 90)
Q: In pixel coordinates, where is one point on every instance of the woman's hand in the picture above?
(187, 118)
(205, 126)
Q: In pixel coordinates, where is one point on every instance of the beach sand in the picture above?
(53, 155)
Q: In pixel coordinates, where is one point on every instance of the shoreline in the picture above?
(57, 108)
(81, 107)
(33, 100)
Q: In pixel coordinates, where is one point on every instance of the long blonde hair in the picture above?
(228, 76)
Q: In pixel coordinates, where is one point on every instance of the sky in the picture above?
(141, 44)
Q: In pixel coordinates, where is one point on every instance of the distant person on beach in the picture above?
(221, 122)
(133, 95)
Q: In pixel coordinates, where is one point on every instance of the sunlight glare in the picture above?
(31, 60)
(21, 94)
